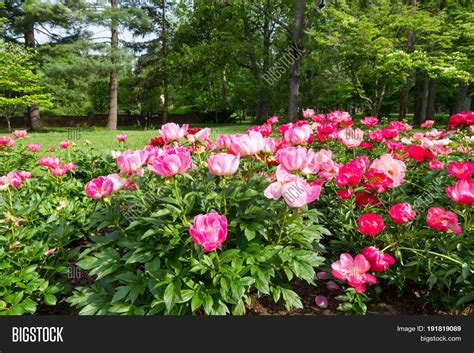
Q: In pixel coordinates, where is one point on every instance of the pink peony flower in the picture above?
(376, 135)
(172, 132)
(209, 230)
(370, 224)
(377, 181)
(435, 164)
(321, 301)
(427, 124)
(354, 271)
(7, 141)
(296, 191)
(65, 144)
(121, 137)
(131, 162)
(269, 146)
(369, 121)
(171, 161)
(49, 161)
(308, 113)
(247, 144)
(379, 261)
(118, 182)
(223, 164)
(462, 191)
(272, 120)
(295, 158)
(99, 187)
(393, 168)
(298, 135)
(33, 147)
(442, 220)
(350, 137)
(202, 135)
(20, 133)
(402, 213)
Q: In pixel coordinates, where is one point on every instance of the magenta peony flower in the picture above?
(247, 144)
(7, 141)
(461, 170)
(379, 261)
(172, 132)
(209, 230)
(223, 163)
(99, 187)
(131, 162)
(462, 191)
(272, 120)
(442, 220)
(65, 144)
(171, 161)
(354, 271)
(435, 164)
(370, 224)
(121, 137)
(402, 213)
(370, 121)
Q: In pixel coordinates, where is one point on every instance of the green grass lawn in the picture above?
(103, 139)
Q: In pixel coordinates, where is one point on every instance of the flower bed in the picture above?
(189, 225)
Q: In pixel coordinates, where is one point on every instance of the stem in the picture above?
(416, 251)
(180, 203)
(224, 195)
(218, 261)
(283, 223)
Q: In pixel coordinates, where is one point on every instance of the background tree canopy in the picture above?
(234, 59)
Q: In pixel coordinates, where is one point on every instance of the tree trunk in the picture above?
(297, 52)
(431, 109)
(34, 118)
(403, 109)
(113, 84)
(164, 49)
(265, 95)
(460, 99)
(225, 91)
(421, 97)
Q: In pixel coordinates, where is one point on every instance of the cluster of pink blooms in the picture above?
(55, 165)
(15, 179)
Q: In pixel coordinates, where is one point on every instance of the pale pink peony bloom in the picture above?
(202, 135)
(269, 145)
(115, 154)
(462, 191)
(321, 301)
(209, 230)
(393, 168)
(65, 144)
(354, 271)
(14, 179)
(172, 132)
(223, 164)
(442, 220)
(298, 135)
(171, 161)
(350, 137)
(308, 113)
(131, 162)
(99, 187)
(247, 144)
(121, 137)
(58, 171)
(20, 133)
(222, 142)
(295, 158)
(118, 182)
(33, 147)
(427, 124)
(296, 191)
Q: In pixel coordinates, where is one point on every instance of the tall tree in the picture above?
(113, 83)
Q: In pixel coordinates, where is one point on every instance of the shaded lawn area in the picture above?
(104, 140)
